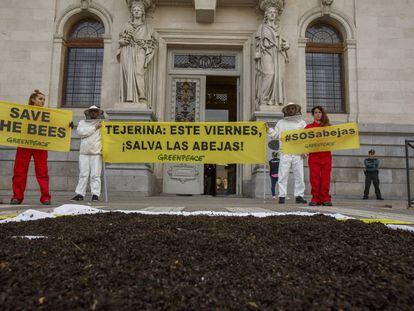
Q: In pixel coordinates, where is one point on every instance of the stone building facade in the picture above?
(207, 48)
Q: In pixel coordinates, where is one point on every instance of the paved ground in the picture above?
(394, 210)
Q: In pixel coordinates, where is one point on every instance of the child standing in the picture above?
(274, 172)
(371, 175)
(22, 161)
(90, 157)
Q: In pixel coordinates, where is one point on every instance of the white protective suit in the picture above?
(287, 160)
(90, 157)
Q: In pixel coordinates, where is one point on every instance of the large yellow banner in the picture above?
(34, 127)
(184, 142)
(336, 137)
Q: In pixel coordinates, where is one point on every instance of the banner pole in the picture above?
(264, 182)
(105, 186)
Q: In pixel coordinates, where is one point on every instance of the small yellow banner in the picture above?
(35, 127)
(386, 221)
(328, 138)
(184, 142)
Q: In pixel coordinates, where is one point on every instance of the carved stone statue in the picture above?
(137, 44)
(270, 56)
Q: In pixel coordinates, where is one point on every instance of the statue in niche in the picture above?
(137, 44)
(270, 56)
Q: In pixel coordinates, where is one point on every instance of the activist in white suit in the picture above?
(292, 120)
(90, 154)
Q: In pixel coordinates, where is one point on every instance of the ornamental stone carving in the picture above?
(326, 6)
(85, 4)
(327, 2)
(271, 56)
(137, 45)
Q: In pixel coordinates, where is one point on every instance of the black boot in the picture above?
(301, 200)
(77, 197)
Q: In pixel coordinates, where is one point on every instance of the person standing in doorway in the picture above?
(210, 179)
(320, 164)
(371, 175)
(274, 173)
(22, 161)
(90, 154)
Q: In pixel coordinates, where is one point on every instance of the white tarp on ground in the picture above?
(29, 214)
(74, 209)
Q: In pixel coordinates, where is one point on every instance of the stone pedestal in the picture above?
(130, 177)
(130, 112)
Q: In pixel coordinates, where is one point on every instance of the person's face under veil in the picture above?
(291, 111)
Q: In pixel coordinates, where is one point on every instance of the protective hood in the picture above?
(93, 107)
(298, 109)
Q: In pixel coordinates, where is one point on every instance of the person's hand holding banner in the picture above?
(327, 138)
(35, 127)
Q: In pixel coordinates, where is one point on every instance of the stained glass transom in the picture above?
(87, 29)
(223, 62)
(322, 33)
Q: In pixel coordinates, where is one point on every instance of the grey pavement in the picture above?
(389, 209)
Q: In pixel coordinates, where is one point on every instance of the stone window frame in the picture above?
(346, 27)
(68, 18)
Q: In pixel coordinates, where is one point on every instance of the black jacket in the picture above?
(274, 166)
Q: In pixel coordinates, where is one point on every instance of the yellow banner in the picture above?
(184, 142)
(34, 127)
(328, 138)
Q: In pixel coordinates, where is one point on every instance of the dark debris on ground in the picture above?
(117, 261)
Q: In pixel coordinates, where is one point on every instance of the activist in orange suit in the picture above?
(320, 164)
(21, 164)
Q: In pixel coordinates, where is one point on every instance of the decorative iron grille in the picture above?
(193, 61)
(185, 101)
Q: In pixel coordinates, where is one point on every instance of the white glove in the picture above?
(273, 132)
